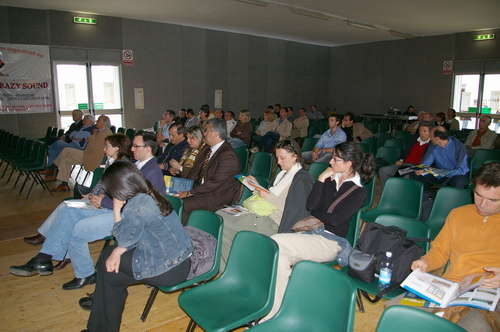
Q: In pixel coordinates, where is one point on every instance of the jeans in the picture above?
(235, 142)
(268, 140)
(343, 255)
(56, 148)
(59, 230)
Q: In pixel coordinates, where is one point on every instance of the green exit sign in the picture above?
(484, 37)
(85, 20)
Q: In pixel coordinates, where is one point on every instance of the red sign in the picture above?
(128, 58)
(447, 67)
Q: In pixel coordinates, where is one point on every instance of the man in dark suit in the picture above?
(213, 173)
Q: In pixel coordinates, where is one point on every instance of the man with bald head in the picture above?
(446, 152)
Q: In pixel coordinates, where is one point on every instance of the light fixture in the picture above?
(310, 13)
(362, 25)
(402, 34)
(254, 2)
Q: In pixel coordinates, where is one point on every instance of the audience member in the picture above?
(77, 116)
(219, 113)
(323, 150)
(213, 173)
(300, 124)
(191, 119)
(314, 115)
(441, 121)
(264, 126)
(413, 127)
(454, 125)
(182, 117)
(356, 132)
(289, 114)
(194, 137)
(409, 111)
(162, 135)
(448, 153)
(281, 129)
(481, 138)
(203, 116)
(230, 121)
(239, 134)
(175, 149)
(413, 153)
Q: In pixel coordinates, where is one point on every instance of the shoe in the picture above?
(60, 188)
(46, 172)
(254, 150)
(85, 330)
(62, 264)
(86, 302)
(35, 240)
(49, 178)
(78, 283)
(31, 268)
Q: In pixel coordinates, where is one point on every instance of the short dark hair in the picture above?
(279, 105)
(230, 112)
(337, 117)
(123, 143)
(190, 111)
(179, 126)
(411, 106)
(221, 110)
(205, 108)
(488, 175)
(171, 113)
(351, 116)
(441, 133)
(218, 125)
(454, 112)
(149, 140)
(427, 124)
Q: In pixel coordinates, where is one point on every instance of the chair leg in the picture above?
(149, 303)
(191, 326)
(359, 301)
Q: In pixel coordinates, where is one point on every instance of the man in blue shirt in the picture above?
(323, 150)
(447, 153)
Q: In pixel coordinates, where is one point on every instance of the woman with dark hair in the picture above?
(153, 247)
(194, 137)
(335, 198)
(275, 210)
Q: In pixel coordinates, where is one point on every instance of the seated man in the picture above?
(162, 135)
(175, 149)
(77, 116)
(451, 114)
(446, 152)
(300, 125)
(481, 138)
(470, 242)
(323, 150)
(413, 153)
(78, 141)
(356, 132)
(230, 122)
(289, 114)
(413, 127)
(213, 173)
(314, 114)
(191, 119)
(74, 228)
(91, 157)
(281, 129)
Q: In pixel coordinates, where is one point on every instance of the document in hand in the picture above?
(174, 184)
(251, 185)
(448, 293)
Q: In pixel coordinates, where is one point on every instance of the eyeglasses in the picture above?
(137, 146)
(108, 146)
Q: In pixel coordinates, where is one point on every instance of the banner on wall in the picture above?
(25, 79)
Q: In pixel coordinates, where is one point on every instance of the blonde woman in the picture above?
(194, 136)
(265, 126)
(239, 134)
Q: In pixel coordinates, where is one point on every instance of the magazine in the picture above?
(80, 204)
(437, 172)
(175, 185)
(446, 293)
(251, 185)
(236, 210)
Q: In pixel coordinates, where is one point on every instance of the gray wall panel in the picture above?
(194, 74)
(275, 71)
(257, 76)
(28, 26)
(218, 68)
(4, 25)
(468, 49)
(238, 72)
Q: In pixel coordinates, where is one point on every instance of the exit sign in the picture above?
(85, 20)
(484, 37)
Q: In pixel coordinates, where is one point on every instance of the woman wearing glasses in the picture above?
(335, 198)
(276, 210)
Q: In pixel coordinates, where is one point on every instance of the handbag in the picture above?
(307, 224)
(80, 190)
(362, 265)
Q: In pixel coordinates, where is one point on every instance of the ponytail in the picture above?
(367, 167)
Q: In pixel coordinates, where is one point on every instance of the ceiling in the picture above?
(276, 20)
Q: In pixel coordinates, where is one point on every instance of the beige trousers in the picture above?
(67, 158)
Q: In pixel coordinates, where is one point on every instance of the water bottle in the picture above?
(384, 279)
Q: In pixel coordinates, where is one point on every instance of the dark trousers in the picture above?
(457, 181)
(111, 289)
(268, 140)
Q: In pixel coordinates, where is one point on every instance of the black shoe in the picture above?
(31, 268)
(86, 302)
(78, 283)
(35, 240)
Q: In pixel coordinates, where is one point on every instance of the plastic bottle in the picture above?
(384, 279)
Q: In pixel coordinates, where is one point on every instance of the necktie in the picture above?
(201, 174)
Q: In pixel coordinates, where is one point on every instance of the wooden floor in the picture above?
(40, 304)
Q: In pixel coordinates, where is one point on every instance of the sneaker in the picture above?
(254, 150)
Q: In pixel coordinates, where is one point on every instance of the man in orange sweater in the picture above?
(470, 241)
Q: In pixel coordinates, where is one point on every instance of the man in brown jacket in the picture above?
(90, 157)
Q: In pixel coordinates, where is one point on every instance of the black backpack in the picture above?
(370, 249)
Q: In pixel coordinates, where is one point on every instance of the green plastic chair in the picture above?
(48, 133)
(403, 135)
(447, 199)
(130, 132)
(245, 192)
(313, 130)
(113, 129)
(326, 304)
(370, 193)
(372, 141)
(384, 127)
(395, 143)
(31, 170)
(317, 168)
(245, 291)
(206, 221)
(262, 165)
(365, 147)
(156, 126)
(480, 156)
(389, 154)
(381, 138)
(414, 228)
(352, 233)
(309, 143)
(121, 130)
(401, 197)
(28, 146)
(244, 156)
(371, 126)
(408, 319)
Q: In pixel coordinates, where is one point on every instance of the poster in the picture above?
(25, 79)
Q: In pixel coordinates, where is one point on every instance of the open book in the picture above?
(437, 172)
(251, 185)
(446, 293)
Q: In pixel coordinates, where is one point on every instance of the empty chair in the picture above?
(243, 155)
(313, 131)
(317, 168)
(309, 143)
(395, 143)
(48, 134)
(326, 304)
(384, 127)
(402, 197)
(372, 141)
(381, 138)
(371, 126)
(389, 154)
(365, 147)
(243, 293)
(480, 156)
(262, 165)
(113, 129)
(402, 135)
(370, 193)
(121, 130)
(130, 132)
(408, 319)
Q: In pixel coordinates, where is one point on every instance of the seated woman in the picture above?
(335, 198)
(117, 148)
(264, 126)
(194, 136)
(276, 210)
(153, 248)
(239, 134)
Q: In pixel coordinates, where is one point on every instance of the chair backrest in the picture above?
(372, 141)
(156, 125)
(318, 298)
(480, 156)
(384, 127)
(447, 199)
(48, 132)
(381, 138)
(262, 165)
(408, 319)
(113, 129)
(130, 133)
(243, 155)
(177, 204)
(314, 130)
(395, 143)
(96, 176)
(354, 225)
(371, 126)
(370, 193)
(54, 131)
(317, 168)
(60, 132)
(245, 192)
(390, 154)
(414, 228)
(365, 147)
(309, 143)
(402, 135)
